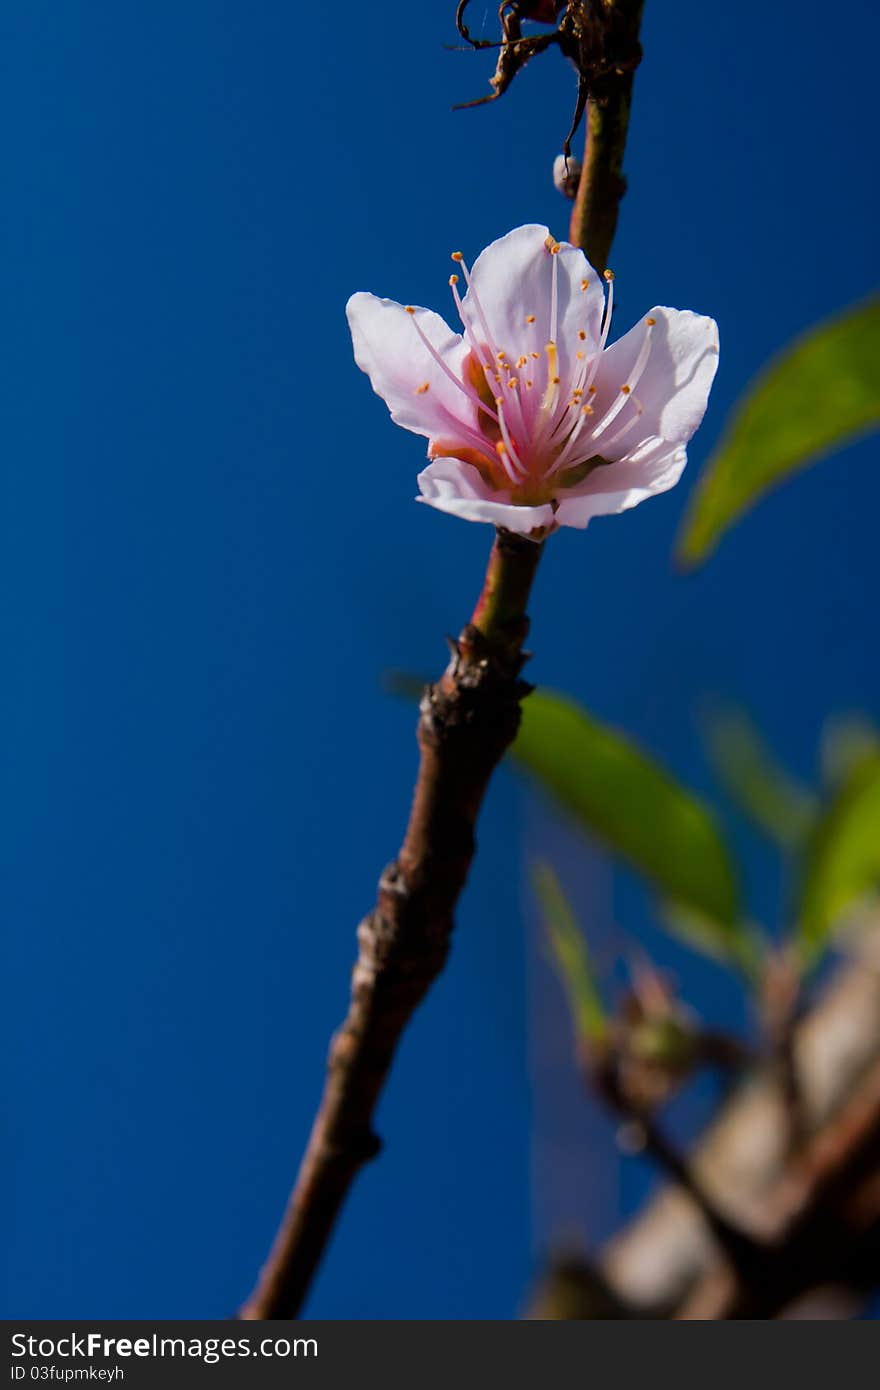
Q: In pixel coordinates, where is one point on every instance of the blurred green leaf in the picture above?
(750, 774)
(618, 794)
(842, 866)
(744, 947)
(847, 739)
(816, 396)
(571, 957)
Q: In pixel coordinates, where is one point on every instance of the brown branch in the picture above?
(602, 184)
(467, 721)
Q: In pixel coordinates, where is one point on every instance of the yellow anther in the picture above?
(586, 410)
(536, 355)
(499, 400)
(608, 275)
(577, 395)
(521, 361)
(453, 279)
(530, 318)
(582, 335)
(513, 383)
(409, 308)
(501, 356)
(530, 384)
(501, 447)
(650, 322)
(457, 256)
(626, 390)
(579, 356)
(425, 386)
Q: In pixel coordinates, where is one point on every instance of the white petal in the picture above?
(674, 387)
(456, 487)
(512, 279)
(652, 468)
(388, 348)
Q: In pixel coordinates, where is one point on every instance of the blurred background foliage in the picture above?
(810, 400)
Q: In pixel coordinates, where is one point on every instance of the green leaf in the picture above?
(623, 798)
(816, 396)
(847, 739)
(571, 957)
(842, 867)
(762, 789)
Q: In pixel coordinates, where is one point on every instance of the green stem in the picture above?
(500, 614)
(602, 184)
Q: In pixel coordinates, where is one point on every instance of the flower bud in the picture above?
(566, 175)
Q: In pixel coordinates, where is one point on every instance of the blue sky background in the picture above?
(211, 554)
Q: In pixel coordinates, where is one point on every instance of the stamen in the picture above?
(554, 296)
(617, 405)
(462, 386)
(625, 429)
(635, 376)
(549, 398)
(425, 386)
(490, 345)
(511, 451)
(587, 373)
(530, 318)
(609, 310)
(457, 256)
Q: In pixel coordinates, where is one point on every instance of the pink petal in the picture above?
(513, 278)
(456, 487)
(417, 391)
(674, 387)
(654, 467)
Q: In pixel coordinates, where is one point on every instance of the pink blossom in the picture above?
(532, 421)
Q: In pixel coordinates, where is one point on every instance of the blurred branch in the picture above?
(467, 721)
(826, 1208)
(664, 1259)
(601, 1069)
(602, 184)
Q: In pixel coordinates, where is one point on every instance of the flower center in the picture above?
(538, 430)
